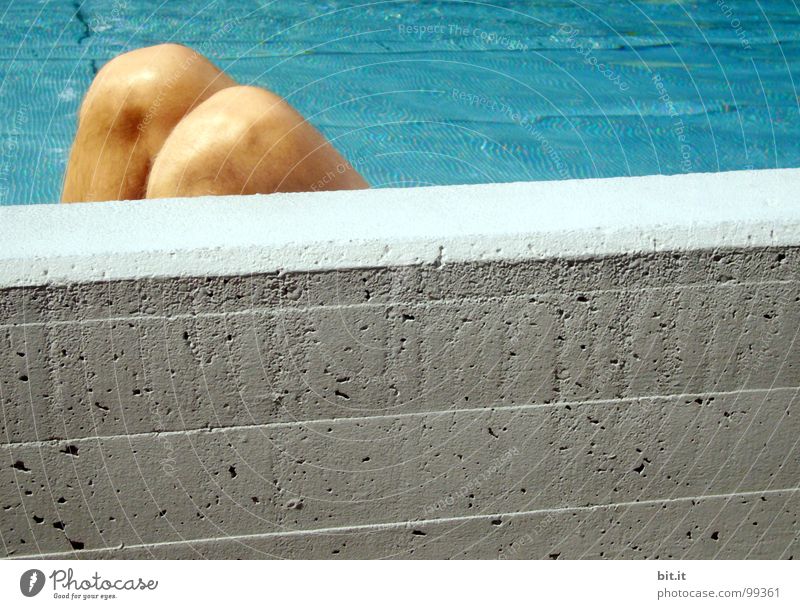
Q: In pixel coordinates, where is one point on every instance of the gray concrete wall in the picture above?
(601, 393)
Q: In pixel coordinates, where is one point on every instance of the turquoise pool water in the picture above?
(418, 93)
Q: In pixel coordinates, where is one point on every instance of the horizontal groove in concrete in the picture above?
(152, 489)
(527, 528)
(165, 375)
(477, 300)
(677, 398)
(214, 295)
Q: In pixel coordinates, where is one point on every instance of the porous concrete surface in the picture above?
(555, 404)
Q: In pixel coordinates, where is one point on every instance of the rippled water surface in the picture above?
(418, 93)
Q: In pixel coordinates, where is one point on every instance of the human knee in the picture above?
(248, 111)
(246, 140)
(256, 126)
(148, 63)
(222, 142)
(142, 86)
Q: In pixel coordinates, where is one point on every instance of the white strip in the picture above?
(56, 244)
(401, 584)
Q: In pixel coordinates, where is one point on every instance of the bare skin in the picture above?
(163, 121)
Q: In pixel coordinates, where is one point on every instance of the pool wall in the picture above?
(579, 369)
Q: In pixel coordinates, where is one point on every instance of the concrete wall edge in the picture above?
(300, 232)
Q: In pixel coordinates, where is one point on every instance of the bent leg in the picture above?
(131, 107)
(246, 140)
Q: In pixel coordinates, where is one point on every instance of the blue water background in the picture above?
(419, 93)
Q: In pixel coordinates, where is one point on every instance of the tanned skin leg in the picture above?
(246, 140)
(164, 121)
(131, 107)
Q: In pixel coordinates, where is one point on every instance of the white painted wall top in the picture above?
(56, 244)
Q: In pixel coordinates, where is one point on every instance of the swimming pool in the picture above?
(441, 92)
